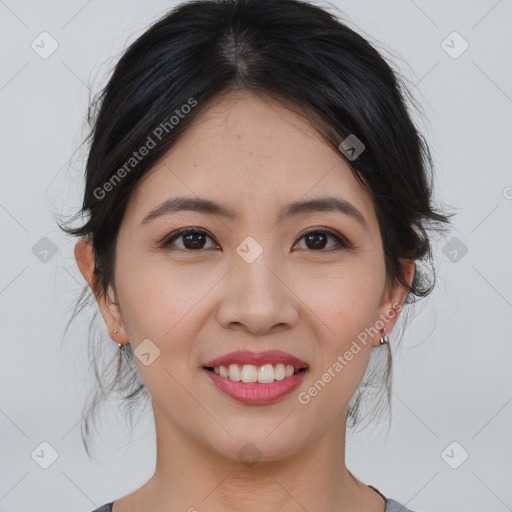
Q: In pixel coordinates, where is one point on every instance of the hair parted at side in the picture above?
(314, 64)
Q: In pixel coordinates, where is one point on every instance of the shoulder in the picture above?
(105, 508)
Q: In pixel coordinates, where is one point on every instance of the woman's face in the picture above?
(251, 280)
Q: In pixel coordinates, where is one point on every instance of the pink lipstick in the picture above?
(256, 377)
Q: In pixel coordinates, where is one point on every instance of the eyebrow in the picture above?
(206, 206)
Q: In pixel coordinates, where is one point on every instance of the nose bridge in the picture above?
(255, 267)
(259, 298)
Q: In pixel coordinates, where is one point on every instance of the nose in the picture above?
(258, 298)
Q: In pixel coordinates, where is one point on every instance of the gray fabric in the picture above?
(394, 506)
(105, 508)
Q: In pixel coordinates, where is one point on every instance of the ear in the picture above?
(392, 302)
(109, 307)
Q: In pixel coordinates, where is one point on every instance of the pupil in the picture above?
(191, 238)
(314, 237)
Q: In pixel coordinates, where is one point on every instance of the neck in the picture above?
(190, 476)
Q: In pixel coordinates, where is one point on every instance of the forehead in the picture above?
(250, 152)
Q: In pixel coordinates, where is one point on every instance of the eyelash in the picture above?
(342, 242)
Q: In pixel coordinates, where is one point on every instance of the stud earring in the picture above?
(384, 340)
(120, 345)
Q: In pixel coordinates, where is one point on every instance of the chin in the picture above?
(252, 448)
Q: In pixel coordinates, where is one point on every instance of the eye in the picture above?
(192, 239)
(316, 239)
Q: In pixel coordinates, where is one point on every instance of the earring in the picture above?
(384, 340)
(120, 345)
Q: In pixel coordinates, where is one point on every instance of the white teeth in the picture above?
(250, 373)
(279, 373)
(266, 374)
(234, 372)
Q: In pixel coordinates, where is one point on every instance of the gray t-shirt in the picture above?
(391, 505)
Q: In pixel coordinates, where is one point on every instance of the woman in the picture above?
(258, 199)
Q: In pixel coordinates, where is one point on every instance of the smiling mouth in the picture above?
(263, 374)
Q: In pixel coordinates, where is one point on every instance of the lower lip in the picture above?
(256, 392)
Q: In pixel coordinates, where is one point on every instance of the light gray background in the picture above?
(452, 379)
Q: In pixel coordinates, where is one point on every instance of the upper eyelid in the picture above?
(342, 239)
(183, 231)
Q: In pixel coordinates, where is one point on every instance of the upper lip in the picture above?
(242, 357)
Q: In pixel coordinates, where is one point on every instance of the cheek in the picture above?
(347, 306)
(155, 296)
(344, 307)
(165, 304)
(159, 305)
(345, 298)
